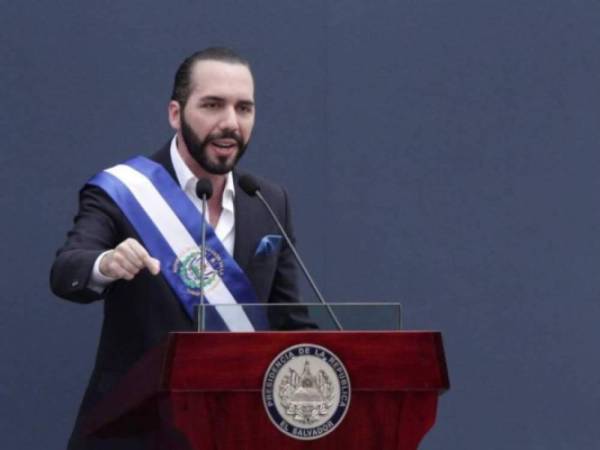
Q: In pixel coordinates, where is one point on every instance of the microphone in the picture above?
(204, 191)
(204, 188)
(250, 186)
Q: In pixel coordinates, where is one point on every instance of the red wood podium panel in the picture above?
(203, 391)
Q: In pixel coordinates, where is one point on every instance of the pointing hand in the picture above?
(127, 259)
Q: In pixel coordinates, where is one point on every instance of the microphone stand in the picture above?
(202, 325)
(302, 266)
(203, 192)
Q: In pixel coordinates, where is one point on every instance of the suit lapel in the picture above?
(163, 157)
(246, 231)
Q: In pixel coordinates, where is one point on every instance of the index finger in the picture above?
(152, 264)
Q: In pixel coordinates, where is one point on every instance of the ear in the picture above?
(174, 110)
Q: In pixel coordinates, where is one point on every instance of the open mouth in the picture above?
(224, 146)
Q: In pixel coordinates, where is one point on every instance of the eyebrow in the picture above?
(215, 98)
(212, 98)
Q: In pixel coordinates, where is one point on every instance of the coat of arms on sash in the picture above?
(306, 391)
(187, 267)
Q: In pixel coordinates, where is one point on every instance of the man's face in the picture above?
(217, 120)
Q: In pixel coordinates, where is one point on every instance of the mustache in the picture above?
(226, 134)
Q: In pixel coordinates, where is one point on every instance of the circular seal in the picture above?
(306, 391)
(187, 267)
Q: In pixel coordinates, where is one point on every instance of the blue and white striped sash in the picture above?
(169, 226)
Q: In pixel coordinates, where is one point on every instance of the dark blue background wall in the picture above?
(439, 153)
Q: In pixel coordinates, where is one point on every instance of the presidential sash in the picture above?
(169, 226)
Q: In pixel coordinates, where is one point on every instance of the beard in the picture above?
(198, 149)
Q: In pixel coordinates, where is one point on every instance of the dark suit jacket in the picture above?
(139, 313)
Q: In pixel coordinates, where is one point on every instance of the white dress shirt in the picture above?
(225, 229)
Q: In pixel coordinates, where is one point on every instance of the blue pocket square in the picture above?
(268, 245)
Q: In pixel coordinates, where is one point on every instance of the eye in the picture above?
(246, 109)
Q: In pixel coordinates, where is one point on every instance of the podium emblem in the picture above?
(306, 391)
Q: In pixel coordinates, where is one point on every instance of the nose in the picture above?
(229, 120)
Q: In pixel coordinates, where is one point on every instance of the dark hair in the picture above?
(182, 86)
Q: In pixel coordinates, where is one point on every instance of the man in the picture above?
(112, 252)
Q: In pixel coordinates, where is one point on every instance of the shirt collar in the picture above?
(187, 180)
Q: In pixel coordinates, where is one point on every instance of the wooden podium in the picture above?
(203, 391)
